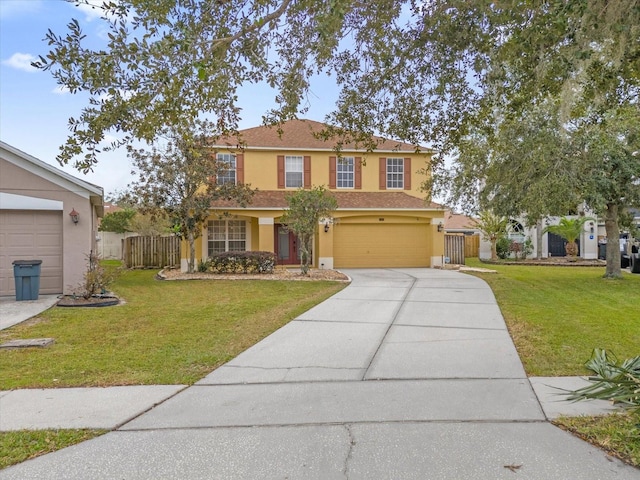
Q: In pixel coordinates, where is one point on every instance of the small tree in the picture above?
(151, 224)
(118, 222)
(306, 208)
(492, 228)
(178, 179)
(570, 230)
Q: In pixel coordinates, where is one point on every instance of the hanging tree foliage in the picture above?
(458, 75)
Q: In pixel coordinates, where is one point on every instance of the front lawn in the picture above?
(16, 447)
(618, 434)
(558, 315)
(167, 332)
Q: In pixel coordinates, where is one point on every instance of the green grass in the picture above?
(16, 447)
(618, 434)
(558, 315)
(167, 332)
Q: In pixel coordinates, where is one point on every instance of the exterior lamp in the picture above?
(440, 227)
(75, 216)
(326, 227)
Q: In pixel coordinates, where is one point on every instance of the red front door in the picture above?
(286, 247)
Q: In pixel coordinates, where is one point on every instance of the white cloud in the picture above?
(14, 8)
(92, 9)
(21, 61)
(60, 90)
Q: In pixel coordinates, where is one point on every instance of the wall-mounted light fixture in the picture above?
(440, 227)
(591, 228)
(75, 216)
(326, 227)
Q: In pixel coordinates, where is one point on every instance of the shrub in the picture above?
(613, 380)
(502, 247)
(242, 262)
(97, 277)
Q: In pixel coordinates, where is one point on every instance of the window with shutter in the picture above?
(226, 168)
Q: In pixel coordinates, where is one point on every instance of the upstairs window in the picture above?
(345, 168)
(293, 171)
(226, 168)
(395, 173)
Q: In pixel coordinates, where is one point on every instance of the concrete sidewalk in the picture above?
(13, 312)
(407, 373)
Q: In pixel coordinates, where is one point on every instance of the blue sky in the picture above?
(34, 111)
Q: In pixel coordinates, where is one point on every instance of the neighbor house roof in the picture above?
(299, 135)
(456, 221)
(272, 199)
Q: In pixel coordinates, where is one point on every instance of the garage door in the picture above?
(391, 245)
(31, 235)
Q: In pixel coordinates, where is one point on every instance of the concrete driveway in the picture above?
(405, 374)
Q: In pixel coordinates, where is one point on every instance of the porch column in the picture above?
(324, 245)
(437, 242)
(265, 234)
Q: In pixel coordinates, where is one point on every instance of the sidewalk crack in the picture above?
(352, 444)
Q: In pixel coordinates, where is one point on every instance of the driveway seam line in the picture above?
(395, 316)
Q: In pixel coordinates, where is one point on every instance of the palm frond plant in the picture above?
(569, 229)
(492, 228)
(615, 381)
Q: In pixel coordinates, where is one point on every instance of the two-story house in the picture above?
(382, 218)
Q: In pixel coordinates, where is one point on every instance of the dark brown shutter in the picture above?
(240, 168)
(407, 174)
(280, 171)
(358, 173)
(307, 172)
(383, 173)
(332, 172)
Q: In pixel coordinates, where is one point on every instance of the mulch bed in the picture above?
(278, 274)
(551, 261)
(94, 301)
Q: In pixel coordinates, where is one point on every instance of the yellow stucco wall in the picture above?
(415, 252)
(261, 169)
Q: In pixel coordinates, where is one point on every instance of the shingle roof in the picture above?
(456, 221)
(346, 200)
(299, 134)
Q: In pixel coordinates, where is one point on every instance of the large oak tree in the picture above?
(441, 72)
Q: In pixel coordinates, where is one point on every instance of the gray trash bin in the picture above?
(27, 276)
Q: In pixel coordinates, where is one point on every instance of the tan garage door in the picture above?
(391, 245)
(31, 235)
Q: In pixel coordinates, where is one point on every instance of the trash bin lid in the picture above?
(26, 262)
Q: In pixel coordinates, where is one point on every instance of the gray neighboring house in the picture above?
(36, 202)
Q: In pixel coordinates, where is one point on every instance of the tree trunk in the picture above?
(494, 253)
(539, 229)
(192, 253)
(613, 242)
(571, 249)
(304, 254)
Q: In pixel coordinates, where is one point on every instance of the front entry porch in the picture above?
(286, 246)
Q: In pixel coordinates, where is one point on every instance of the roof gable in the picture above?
(48, 172)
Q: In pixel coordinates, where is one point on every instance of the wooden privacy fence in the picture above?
(148, 252)
(471, 246)
(454, 248)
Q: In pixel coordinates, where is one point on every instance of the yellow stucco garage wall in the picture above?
(369, 245)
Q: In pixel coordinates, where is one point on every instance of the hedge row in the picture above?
(240, 262)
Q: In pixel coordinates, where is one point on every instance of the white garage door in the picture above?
(381, 246)
(31, 235)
